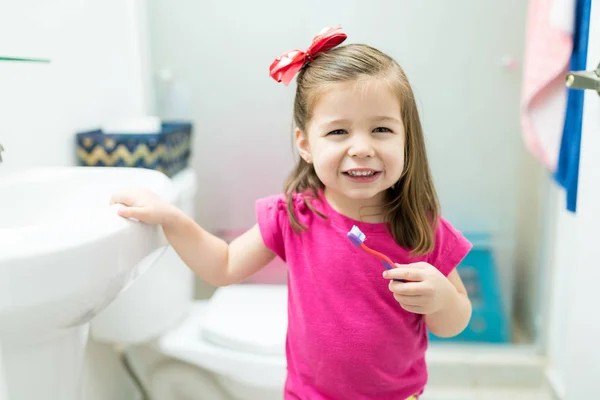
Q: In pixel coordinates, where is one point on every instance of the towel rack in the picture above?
(584, 80)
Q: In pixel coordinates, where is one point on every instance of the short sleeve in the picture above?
(450, 249)
(271, 216)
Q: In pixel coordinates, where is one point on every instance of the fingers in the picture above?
(410, 305)
(409, 289)
(133, 212)
(131, 196)
(122, 198)
(406, 273)
(411, 301)
(414, 294)
(415, 310)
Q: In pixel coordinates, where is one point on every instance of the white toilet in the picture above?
(231, 346)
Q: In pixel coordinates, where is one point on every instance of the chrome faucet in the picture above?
(1, 150)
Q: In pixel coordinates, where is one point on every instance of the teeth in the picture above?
(360, 173)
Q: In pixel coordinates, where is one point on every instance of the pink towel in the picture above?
(548, 49)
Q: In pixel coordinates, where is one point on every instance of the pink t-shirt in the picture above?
(347, 337)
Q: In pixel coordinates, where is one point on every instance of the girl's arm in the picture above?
(455, 314)
(210, 257)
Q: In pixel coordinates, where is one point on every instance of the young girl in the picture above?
(355, 331)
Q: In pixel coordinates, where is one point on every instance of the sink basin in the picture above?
(65, 255)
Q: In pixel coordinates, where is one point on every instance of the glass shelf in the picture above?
(24, 59)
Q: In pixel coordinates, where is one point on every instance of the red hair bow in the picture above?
(287, 65)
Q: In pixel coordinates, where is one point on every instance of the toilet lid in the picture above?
(250, 318)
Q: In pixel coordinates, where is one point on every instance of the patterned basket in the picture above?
(167, 151)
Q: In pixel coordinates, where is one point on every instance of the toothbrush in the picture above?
(357, 237)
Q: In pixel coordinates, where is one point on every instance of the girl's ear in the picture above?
(303, 146)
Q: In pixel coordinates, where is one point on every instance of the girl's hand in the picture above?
(427, 291)
(143, 205)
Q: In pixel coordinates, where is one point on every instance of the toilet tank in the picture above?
(159, 299)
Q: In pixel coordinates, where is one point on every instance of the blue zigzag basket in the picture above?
(167, 151)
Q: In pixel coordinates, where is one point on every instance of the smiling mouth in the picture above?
(359, 173)
(362, 176)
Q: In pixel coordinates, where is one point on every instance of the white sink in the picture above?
(64, 256)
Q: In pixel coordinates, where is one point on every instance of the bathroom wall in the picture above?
(572, 296)
(463, 59)
(97, 72)
(536, 210)
(561, 243)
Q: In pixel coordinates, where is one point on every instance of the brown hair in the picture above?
(412, 210)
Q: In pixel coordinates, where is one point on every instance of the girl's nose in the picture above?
(361, 147)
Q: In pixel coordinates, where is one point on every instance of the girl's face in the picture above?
(355, 139)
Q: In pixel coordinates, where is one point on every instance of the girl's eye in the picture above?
(338, 132)
(382, 129)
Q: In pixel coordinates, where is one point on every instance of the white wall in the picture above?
(573, 325)
(96, 73)
(576, 354)
(453, 52)
(531, 261)
(561, 246)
